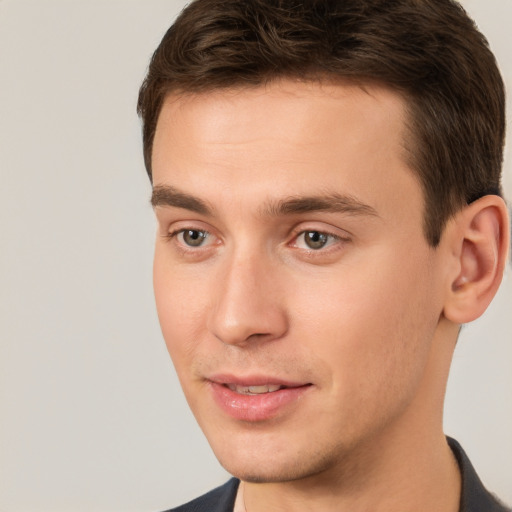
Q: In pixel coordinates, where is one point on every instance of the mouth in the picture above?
(256, 399)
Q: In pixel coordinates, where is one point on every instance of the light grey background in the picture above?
(91, 415)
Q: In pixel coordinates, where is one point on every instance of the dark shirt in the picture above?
(474, 496)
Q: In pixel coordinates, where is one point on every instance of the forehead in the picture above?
(309, 105)
(285, 138)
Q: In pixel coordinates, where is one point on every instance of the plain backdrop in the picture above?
(91, 414)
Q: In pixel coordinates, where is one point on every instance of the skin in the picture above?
(361, 320)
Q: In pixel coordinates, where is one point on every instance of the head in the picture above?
(326, 179)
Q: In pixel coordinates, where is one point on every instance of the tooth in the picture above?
(256, 390)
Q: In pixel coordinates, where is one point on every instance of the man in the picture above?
(326, 181)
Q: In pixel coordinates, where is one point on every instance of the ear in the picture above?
(479, 240)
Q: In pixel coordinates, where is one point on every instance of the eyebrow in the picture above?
(166, 195)
(335, 203)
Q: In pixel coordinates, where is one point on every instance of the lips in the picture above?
(256, 399)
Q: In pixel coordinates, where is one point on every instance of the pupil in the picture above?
(193, 237)
(315, 240)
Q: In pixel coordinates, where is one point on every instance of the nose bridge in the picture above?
(246, 301)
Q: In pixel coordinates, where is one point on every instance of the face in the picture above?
(296, 292)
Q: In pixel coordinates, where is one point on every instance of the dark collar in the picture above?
(474, 497)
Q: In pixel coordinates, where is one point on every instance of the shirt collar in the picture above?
(474, 497)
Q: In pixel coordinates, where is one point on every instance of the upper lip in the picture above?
(255, 380)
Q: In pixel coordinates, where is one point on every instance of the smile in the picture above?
(256, 399)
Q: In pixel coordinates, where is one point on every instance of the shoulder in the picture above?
(475, 498)
(221, 499)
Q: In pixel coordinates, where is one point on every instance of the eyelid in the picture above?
(326, 229)
(171, 233)
(338, 240)
(174, 234)
(333, 239)
(172, 226)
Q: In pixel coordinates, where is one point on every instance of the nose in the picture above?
(247, 303)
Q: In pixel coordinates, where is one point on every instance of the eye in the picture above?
(315, 240)
(192, 237)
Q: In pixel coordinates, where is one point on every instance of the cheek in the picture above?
(372, 325)
(179, 308)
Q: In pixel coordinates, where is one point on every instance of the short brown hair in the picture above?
(430, 51)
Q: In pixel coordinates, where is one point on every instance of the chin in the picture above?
(275, 470)
(262, 476)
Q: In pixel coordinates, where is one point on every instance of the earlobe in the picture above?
(480, 241)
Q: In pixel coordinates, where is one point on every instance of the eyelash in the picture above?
(174, 234)
(332, 240)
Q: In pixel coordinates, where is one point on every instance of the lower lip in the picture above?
(256, 407)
